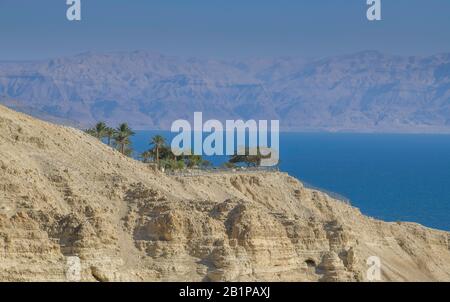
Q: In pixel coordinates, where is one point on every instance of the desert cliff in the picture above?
(65, 194)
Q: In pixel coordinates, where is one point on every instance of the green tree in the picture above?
(251, 160)
(99, 130)
(109, 134)
(157, 142)
(172, 164)
(122, 138)
(90, 131)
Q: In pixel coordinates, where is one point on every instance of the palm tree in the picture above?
(99, 130)
(109, 134)
(90, 131)
(122, 136)
(157, 142)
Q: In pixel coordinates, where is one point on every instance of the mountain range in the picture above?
(362, 92)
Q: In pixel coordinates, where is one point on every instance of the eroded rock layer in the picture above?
(63, 194)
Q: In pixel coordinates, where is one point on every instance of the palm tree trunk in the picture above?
(157, 155)
(122, 148)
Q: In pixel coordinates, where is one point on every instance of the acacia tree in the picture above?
(251, 160)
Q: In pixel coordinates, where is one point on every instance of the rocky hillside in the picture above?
(366, 91)
(64, 194)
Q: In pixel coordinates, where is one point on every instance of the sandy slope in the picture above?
(63, 193)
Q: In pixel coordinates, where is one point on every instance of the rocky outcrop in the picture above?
(73, 208)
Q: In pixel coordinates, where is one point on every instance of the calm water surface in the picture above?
(390, 177)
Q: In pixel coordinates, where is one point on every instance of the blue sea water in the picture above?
(388, 176)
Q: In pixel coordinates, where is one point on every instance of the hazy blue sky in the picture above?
(223, 28)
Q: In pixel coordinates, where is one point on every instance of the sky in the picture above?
(31, 29)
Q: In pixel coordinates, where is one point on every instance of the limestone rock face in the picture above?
(73, 207)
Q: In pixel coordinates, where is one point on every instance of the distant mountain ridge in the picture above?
(363, 92)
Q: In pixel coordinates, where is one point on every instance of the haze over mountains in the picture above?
(365, 92)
